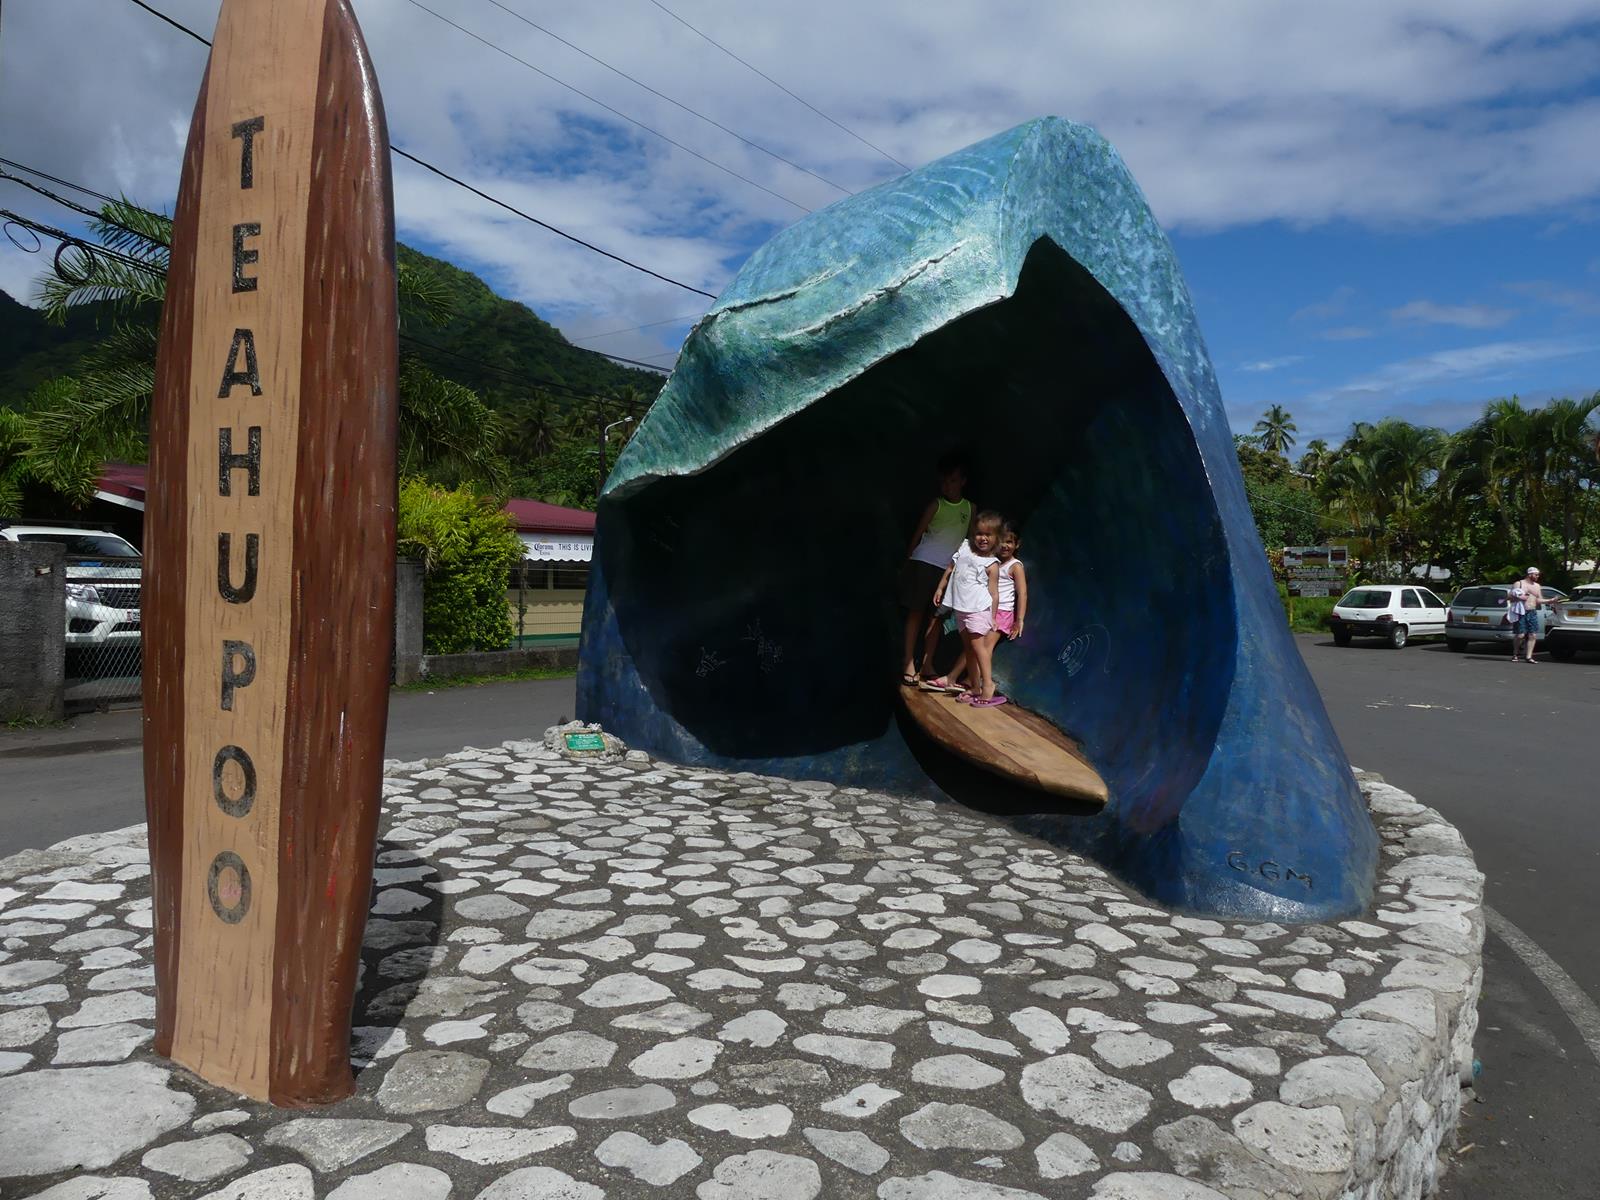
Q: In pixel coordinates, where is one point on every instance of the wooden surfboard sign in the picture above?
(269, 555)
(1008, 741)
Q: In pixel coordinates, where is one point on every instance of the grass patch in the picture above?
(1307, 614)
(431, 683)
(33, 723)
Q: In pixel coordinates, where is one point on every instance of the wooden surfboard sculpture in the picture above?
(269, 565)
(1008, 741)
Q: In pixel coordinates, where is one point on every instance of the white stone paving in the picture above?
(620, 977)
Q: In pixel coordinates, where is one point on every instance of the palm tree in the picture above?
(1315, 460)
(534, 428)
(101, 413)
(1379, 482)
(1275, 431)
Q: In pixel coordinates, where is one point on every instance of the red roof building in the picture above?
(550, 533)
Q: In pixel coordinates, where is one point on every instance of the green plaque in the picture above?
(585, 741)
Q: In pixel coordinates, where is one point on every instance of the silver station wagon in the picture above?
(1478, 614)
(1575, 624)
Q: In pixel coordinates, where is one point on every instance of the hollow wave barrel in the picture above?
(1017, 298)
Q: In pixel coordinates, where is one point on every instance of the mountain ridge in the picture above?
(489, 344)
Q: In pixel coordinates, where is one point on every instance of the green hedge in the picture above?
(467, 545)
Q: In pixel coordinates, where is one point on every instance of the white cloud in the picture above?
(1346, 333)
(1272, 364)
(1337, 303)
(1462, 316)
(1464, 362)
(1403, 113)
(1557, 295)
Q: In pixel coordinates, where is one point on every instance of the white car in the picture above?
(1395, 612)
(1574, 623)
(103, 584)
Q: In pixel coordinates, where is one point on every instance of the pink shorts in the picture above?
(978, 623)
(1005, 621)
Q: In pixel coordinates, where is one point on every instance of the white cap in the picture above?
(1533, 570)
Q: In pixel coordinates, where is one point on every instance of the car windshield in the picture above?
(85, 545)
(1366, 598)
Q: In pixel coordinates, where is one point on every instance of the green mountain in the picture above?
(33, 350)
(499, 348)
(504, 351)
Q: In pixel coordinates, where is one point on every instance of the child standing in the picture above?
(1013, 587)
(945, 522)
(972, 585)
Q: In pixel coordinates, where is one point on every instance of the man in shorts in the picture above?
(1525, 627)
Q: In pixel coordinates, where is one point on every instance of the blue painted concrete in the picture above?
(1016, 298)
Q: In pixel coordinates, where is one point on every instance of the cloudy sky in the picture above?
(1381, 207)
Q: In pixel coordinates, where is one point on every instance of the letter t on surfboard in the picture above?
(269, 556)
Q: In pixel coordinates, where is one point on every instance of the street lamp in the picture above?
(603, 435)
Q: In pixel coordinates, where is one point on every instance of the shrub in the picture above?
(467, 545)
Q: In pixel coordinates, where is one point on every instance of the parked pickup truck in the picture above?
(103, 583)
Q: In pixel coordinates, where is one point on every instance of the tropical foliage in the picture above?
(1519, 486)
(469, 414)
(467, 545)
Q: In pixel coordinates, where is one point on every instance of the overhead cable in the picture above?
(688, 287)
(751, 66)
(594, 337)
(754, 145)
(91, 248)
(67, 241)
(602, 104)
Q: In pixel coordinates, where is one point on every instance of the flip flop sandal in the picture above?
(908, 681)
(994, 701)
(967, 698)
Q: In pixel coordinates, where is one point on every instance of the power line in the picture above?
(632, 362)
(56, 179)
(779, 86)
(594, 337)
(85, 210)
(754, 145)
(92, 248)
(601, 103)
(72, 240)
(520, 376)
(443, 174)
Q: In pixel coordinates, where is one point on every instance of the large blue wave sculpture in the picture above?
(1017, 297)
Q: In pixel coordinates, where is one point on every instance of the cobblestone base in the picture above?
(623, 978)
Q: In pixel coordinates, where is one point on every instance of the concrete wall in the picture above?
(33, 630)
(407, 620)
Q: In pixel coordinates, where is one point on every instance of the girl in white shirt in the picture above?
(971, 587)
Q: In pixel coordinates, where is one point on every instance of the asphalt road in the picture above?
(1506, 754)
(1502, 750)
(87, 777)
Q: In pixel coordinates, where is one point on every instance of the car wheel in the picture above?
(1456, 645)
(1341, 637)
(1562, 651)
(1397, 637)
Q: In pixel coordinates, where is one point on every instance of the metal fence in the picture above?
(104, 631)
